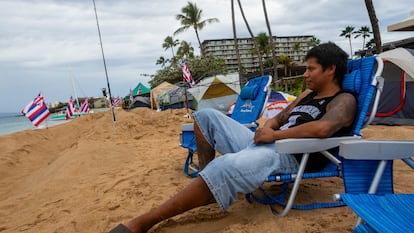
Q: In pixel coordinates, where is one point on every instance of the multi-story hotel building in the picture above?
(293, 46)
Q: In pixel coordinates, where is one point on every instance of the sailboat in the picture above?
(62, 115)
(76, 109)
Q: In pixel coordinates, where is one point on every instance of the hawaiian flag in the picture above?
(84, 108)
(131, 97)
(36, 111)
(186, 74)
(115, 101)
(70, 109)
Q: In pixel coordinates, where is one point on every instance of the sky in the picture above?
(53, 47)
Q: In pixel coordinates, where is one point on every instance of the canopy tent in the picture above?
(156, 91)
(216, 92)
(140, 89)
(396, 106)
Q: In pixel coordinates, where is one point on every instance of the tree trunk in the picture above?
(275, 75)
(253, 38)
(374, 25)
(236, 43)
(350, 45)
(199, 42)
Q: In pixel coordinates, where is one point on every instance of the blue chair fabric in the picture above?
(382, 213)
(359, 81)
(248, 108)
(368, 180)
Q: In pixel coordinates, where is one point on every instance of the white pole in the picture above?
(74, 89)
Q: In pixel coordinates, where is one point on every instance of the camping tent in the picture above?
(141, 95)
(156, 91)
(277, 102)
(217, 92)
(396, 106)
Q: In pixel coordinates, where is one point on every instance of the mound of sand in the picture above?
(87, 176)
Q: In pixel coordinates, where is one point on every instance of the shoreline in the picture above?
(18, 122)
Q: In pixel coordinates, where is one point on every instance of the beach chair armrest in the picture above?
(309, 145)
(376, 149)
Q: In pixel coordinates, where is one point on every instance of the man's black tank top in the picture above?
(311, 109)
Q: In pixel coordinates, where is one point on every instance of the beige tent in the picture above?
(156, 91)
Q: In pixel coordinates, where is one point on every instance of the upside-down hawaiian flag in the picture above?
(131, 97)
(115, 101)
(186, 74)
(36, 110)
(84, 108)
(70, 109)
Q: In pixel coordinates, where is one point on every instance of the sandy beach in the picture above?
(87, 176)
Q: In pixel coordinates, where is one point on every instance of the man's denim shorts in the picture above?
(242, 166)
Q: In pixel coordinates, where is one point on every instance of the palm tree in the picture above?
(286, 61)
(253, 38)
(364, 32)
(296, 47)
(170, 43)
(191, 17)
(370, 44)
(347, 33)
(236, 43)
(185, 50)
(272, 45)
(263, 43)
(162, 61)
(314, 41)
(374, 25)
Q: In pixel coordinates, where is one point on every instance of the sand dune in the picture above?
(87, 176)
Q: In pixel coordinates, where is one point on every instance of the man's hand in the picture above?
(264, 135)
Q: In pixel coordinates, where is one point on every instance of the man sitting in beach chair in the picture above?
(248, 158)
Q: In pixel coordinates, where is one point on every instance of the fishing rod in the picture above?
(106, 72)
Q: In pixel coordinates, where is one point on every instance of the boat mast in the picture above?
(74, 89)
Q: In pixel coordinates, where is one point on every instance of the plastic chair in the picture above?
(362, 80)
(368, 181)
(249, 107)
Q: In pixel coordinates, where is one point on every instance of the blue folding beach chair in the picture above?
(368, 181)
(362, 80)
(248, 108)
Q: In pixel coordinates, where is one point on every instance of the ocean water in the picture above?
(15, 122)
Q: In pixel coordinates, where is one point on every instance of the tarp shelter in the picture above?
(156, 91)
(140, 102)
(175, 98)
(396, 105)
(276, 103)
(216, 92)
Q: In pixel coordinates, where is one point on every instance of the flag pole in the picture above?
(186, 99)
(106, 72)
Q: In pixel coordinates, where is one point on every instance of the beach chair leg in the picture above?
(190, 169)
(295, 188)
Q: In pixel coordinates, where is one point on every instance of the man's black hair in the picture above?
(328, 54)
